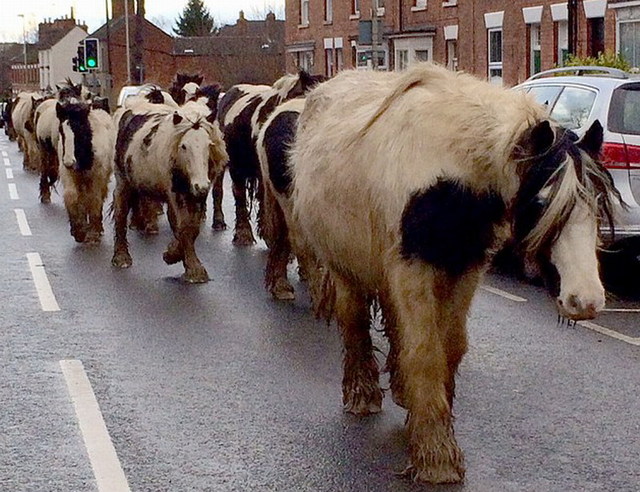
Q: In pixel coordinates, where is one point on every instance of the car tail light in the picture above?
(614, 155)
(633, 156)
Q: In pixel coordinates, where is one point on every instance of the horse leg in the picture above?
(422, 361)
(361, 394)
(173, 254)
(190, 214)
(94, 200)
(243, 235)
(454, 296)
(121, 203)
(75, 210)
(389, 321)
(48, 175)
(275, 232)
(216, 194)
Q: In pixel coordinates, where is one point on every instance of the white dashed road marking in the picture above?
(7, 162)
(45, 293)
(21, 217)
(503, 293)
(621, 310)
(610, 333)
(13, 191)
(9, 173)
(4, 153)
(102, 454)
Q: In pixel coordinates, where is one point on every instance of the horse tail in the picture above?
(420, 76)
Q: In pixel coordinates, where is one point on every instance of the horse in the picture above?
(273, 143)
(403, 185)
(9, 130)
(184, 86)
(85, 152)
(171, 156)
(22, 114)
(242, 111)
(46, 126)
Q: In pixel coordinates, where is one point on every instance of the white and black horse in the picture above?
(402, 185)
(170, 156)
(85, 146)
(242, 110)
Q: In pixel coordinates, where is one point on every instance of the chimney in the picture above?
(241, 25)
(117, 8)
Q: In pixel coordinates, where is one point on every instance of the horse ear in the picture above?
(176, 118)
(542, 137)
(591, 142)
(211, 117)
(61, 112)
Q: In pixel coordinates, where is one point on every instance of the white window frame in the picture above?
(328, 11)
(562, 29)
(495, 65)
(535, 45)
(304, 13)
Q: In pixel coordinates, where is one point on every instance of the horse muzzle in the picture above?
(577, 309)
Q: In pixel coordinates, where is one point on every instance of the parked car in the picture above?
(576, 97)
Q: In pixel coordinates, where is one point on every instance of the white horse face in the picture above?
(573, 254)
(66, 146)
(193, 160)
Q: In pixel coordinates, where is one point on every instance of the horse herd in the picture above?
(391, 189)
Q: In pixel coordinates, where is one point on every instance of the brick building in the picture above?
(501, 40)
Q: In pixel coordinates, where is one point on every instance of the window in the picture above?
(624, 110)
(545, 94)
(534, 54)
(328, 11)
(452, 54)
(421, 4)
(422, 55)
(328, 62)
(402, 59)
(563, 43)
(629, 42)
(339, 59)
(304, 60)
(595, 35)
(495, 56)
(379, 4)
(364, 59)
(355, 7)
(573, 107)
(304, 12)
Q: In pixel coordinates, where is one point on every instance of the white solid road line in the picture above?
(621, 310)
(23, 225)
(503, 293)
(13, 192)
(9, 173)
(610, 333)
(45, 293)
(102, 454)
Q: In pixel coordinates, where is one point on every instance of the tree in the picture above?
(195, 21)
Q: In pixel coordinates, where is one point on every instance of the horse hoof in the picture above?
(79, 236)
(243, 238)
(122, 260)
(93, 238)
(171, 256)
(196, 276)
(46, 199)
(442, 473)
(219, 225)
(283, 290)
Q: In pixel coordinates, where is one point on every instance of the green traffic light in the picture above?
(91, 63)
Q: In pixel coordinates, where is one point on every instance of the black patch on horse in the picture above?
(243, 160)
(278, 137)
(78, 117)
(129, 124)
(230, 97)
(267, 108)
(450, 226)
(149, 136)
(180, 182)
(155, 96)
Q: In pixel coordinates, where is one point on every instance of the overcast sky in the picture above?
(92, 12)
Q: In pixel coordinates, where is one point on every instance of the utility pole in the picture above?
(24, 41)
(572, 20)
(126, 29)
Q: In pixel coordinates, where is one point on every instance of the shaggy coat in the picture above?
(273, 144)
(85, 152)
(242, 112)
(403, 185)
(22, 115)
(173, 157)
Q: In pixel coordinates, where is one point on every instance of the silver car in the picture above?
(612, 97)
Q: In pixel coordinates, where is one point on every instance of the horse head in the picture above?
(75, 150)
(564, 193)
(190, 163)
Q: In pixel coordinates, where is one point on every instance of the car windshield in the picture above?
(573, 107)
(624, 111)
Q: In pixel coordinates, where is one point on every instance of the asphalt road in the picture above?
(216, 387)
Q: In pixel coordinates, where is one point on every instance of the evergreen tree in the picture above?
(195, 20)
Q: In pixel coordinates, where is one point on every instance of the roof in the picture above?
(225, 45)
(51, 34)
(119, 23)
